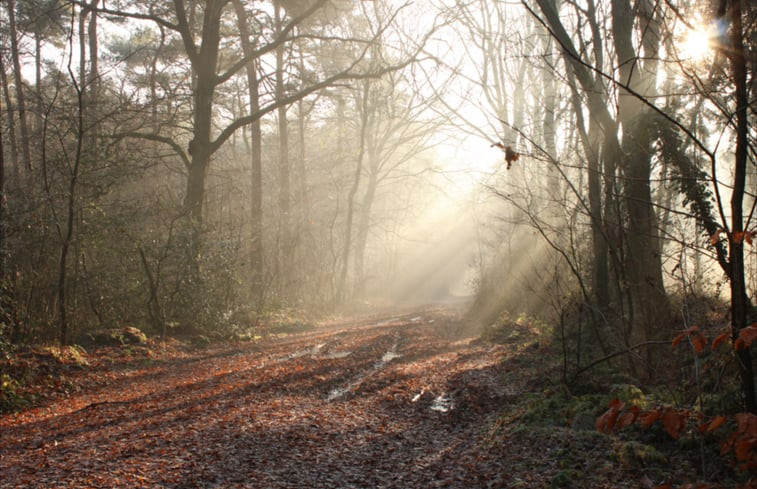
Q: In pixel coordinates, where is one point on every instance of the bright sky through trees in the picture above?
(697, 43)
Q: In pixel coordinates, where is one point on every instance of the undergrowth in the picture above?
(678, 433)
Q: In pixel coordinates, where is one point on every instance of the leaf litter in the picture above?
(387, 403)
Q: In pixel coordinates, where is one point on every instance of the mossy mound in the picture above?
(119, 337)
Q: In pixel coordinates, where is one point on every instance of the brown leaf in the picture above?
(716, 237)
(746, 336)
(674, 422)
(647, 419)
(712, 425)
(695, 335)
(747, 424)
(698, 340)
(719, 339)
(606, 422)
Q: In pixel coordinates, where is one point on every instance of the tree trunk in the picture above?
(3, 216)
(644, 264)
(93, 77)
(20, 98)
(361, 240)
(285, 224)
(11, 123)
(739, 300)
(342, 283)
(256, 158)
(71, 198)
(204, 63)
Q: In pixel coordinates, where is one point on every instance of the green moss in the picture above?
(633, 454)
(559, 408)
(520, 330)
(630, 395)
(567, 478)
(11, 397)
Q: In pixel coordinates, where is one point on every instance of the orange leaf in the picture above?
(725, 446)
(626, 419)
(616, 404)
(510, 156)
(678, 338)
(647, 419)
(719, 339)
(746, 336)
(743, 449)
(606, 422)
(749, 236)
(747, 423)
(716, 237)
(698, 340)
(712, 425)
(738, 237)
(674, 422)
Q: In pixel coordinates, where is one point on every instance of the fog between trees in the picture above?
(189, 167)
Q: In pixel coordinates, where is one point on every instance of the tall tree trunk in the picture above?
(153, 77)
(644, 264)
(363, 100)
(20, 98)
(364, 223)
(68, 233)
(740, 303)
(93, 77)
(11, 122)
(3, 214)
(590, 139)
(256, 158)
(285, 221)
(204, 61)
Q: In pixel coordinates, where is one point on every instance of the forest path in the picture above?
(392, 401)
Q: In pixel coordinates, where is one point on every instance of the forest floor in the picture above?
(392, 401)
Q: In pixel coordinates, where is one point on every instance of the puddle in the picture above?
(386, 321)
(389, 356)
(312, 351)
(337, 354)
(443, 404)
(337, 393)
(340, 391)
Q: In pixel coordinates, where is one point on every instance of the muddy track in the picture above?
(392, 401)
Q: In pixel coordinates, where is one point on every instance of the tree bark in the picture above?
(20, 97)
(71, 198)
(364, 224)
(285, 222)
(342, 283)
(256, 157)
(644, 265)
(11, 122)
(740, 303)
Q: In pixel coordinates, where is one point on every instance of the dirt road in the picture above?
(384, 402)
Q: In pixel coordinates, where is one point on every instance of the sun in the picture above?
(697, 42)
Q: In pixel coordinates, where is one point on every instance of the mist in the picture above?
(201, 173)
